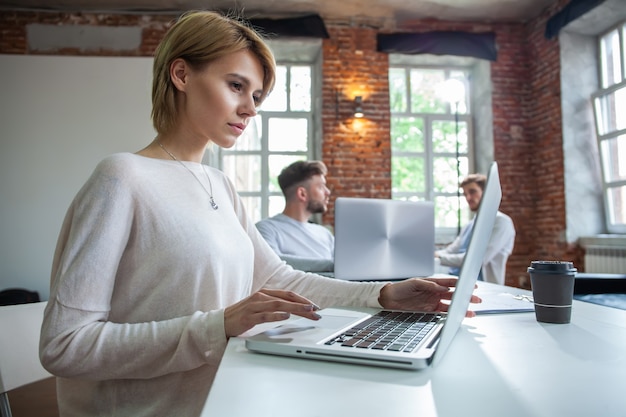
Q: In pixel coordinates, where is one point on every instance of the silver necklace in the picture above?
(209, 193)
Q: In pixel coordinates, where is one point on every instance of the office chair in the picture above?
(20, 326)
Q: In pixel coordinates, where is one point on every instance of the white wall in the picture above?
(59, 116)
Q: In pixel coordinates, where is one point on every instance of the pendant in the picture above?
(213, 204)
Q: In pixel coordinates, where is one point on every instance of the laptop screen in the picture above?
(473, 259)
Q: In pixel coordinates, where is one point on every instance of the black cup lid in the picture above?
(552, 266)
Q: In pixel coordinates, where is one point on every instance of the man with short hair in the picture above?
(500, 244)
(304, 245)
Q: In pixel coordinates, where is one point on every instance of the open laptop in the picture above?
(331, 338)
(381, 239)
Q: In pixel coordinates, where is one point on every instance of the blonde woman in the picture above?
(157, 262)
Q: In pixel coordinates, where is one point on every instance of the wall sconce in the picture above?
(358, 107)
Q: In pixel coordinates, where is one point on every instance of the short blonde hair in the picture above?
(200, 37)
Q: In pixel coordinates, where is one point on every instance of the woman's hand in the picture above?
(266, 306)
(420, 294)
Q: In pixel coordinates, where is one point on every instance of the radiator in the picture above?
(605, 259)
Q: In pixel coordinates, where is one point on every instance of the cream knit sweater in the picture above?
(143, 270)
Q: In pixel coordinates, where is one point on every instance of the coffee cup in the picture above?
(552, 285)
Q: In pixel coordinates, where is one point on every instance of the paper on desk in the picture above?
(501, 299)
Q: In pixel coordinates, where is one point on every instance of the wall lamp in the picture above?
(358, 107)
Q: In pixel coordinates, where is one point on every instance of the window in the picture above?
(431, 140)
(281, 133)
(610, 116)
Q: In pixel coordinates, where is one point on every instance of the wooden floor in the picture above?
(38, 399)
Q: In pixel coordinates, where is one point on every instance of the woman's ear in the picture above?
(179, 72)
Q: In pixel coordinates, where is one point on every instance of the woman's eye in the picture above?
(237, 86)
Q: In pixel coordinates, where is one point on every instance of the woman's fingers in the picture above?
(266, 306)
(288, 296)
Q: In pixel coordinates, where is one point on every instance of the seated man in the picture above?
(500, 243)
(303, 245)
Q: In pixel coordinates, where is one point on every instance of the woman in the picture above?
(157, 263)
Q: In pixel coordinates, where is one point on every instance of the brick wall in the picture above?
(357, 151)
(526, 116)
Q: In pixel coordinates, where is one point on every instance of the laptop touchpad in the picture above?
(326, 322)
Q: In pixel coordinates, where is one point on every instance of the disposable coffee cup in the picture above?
(552, 284)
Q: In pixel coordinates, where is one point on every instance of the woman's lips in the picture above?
(238, 127)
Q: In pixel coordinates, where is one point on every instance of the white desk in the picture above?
(498, 365)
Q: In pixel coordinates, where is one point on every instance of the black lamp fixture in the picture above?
(358, 107)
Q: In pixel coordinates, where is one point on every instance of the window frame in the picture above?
(601, 136)
(442, 234)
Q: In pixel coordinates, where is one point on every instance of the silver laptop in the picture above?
(381, 239)
(332, 338)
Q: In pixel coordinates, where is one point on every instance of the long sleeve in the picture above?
(141, 275)
(498, 250)
(450, 256)
(500, 247)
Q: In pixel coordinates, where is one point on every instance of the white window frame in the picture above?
(442, 234)
(607, 183)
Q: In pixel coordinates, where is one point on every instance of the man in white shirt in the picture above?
(500, 243)
(304, 245)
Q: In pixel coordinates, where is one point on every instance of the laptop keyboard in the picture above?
(388, 330)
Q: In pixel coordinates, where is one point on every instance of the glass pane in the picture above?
(277, 99)
(250, 140)
(397, 89)
(624, 51)
(614, 158)
(620, 108)
(408, 174)
(244, 171)
(445, 178)
(276, 205)
(463, 77)
(410, 198)
(447, 212)
(300, 96)
(276, 164)
(445, 136)
(611, 67)
(611, 111)
(288, 135)
(424, 97)
(617, 205)
(407, 134)
(453, 92)
(253, 207)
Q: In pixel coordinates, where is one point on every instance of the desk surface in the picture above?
(498, 365)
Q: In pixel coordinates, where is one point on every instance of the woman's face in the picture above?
(219, 101)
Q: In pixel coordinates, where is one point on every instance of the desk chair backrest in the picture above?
(20, 326)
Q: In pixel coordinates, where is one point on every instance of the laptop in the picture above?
(331, 338)
(381, 239)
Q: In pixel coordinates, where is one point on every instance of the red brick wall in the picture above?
(526, 116)
(546, 163)
(357, 151)
(513, 143)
